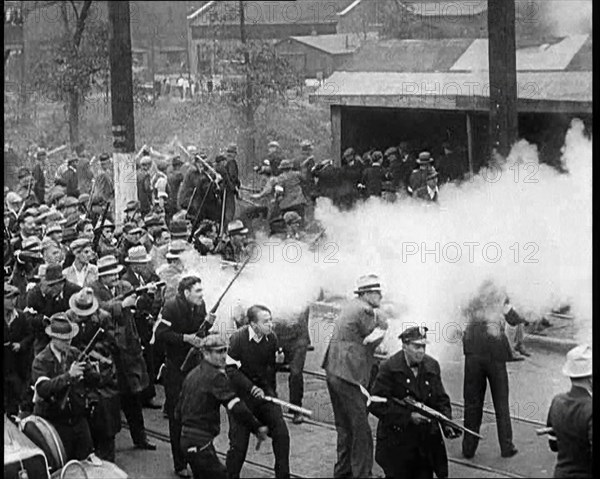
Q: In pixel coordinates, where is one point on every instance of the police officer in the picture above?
(570, 417)
(409, 444)
(204, 390)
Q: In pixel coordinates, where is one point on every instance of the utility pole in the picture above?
(503, 129)
(121, 87)
(249, 126)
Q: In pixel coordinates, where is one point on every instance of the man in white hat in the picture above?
(56, 372)
(348, 363)
(570, 417)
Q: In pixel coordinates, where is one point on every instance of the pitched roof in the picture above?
(537, 58)
(268, 12)
(337, 44)
(409, 55)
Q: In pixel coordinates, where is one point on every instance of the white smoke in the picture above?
(522, 224)
(562, 17)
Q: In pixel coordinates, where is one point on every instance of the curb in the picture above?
(548, 343)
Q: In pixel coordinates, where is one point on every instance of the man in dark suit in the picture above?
(409, 444)
(486, 350)
(348, 363)
(227, 167)
(18, 341)
(570, 417)
(70, 177)
(39, 175)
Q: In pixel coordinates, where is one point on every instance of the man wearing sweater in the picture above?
(252, 371)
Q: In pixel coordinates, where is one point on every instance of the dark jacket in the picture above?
(144, 191)
(204, 390)
(230, 173)
(174, 179)
(570, 417)
(44, 306)
(71, 180)
(488, 340)
(257, 363)
(400, 171)
(346, 356)
(105, 186)
(328, 179)
(20, 332)
(372, 178)
(418, 178)
(397, 436)
(40, 182)
(51, 380)
(179, 317)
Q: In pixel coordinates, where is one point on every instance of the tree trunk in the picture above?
(73, 118)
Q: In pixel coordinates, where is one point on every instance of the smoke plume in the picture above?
(563, 17)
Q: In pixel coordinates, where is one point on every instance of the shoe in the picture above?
(523, 351)
(146, 445)
(183, 473)
(510, 453)
(298, 419)
(151, 405)
(469, 455)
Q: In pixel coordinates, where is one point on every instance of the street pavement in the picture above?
(313, 447)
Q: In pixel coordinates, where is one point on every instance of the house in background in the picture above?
(318, 56)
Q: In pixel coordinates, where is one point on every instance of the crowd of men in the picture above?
(97, 314)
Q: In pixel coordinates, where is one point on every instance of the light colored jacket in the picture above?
(91, 275)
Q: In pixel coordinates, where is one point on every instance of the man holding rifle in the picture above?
(410, 444)
(252, 358)
(181, 324)
(57, 371)
(205, 389)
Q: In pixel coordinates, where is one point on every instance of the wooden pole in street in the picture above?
(121, 87)
(503, 128)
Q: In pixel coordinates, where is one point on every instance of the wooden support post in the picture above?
(336, 134)
(121, 83)
(503, 76)
(470, 141)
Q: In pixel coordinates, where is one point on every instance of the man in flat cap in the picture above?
(348, 363)
(409, 444)
(429, 191)
(82, 272)
(570, 417)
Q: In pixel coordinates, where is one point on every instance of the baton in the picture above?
(56, 150)
(544, 430)
(287, 405)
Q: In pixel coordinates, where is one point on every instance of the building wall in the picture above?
(309, 61)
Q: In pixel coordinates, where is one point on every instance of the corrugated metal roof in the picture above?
(544, 86)
(409, 55)
(337, 44)
(539, 58)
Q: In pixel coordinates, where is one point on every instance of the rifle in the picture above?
(98, 232)
(84, 354)
(139, 291)
(205, 326)
(421, 408)
(191, 199)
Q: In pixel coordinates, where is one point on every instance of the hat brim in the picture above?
(566, 370)
(83, 312)
(56, 281)
(65, 337)
(173, 255)
(239, 232)
(144, 260)
(116, 270)
(424, 162)
(368, 290)
(421, 342)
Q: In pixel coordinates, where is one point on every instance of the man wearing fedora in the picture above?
(348, 363)
(133, 235)
(132, 372)
(570, 417)
(104, 416)
(49, 296)
(178, 329)
(18, 342)
(56, 372)
(133, 213)
(139, 273)
(171, 271)
(418, 177)
(409, 444)
(82, 272)
(429, 191)
(234, 247)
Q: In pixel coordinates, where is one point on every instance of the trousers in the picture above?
(204, 462)
(76, 438)
(239, 436)
(354, 438)
(173, 384)
(131, 404)
(479, 371)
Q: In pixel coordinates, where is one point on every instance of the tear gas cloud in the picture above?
(564, 17)
(521, 224)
